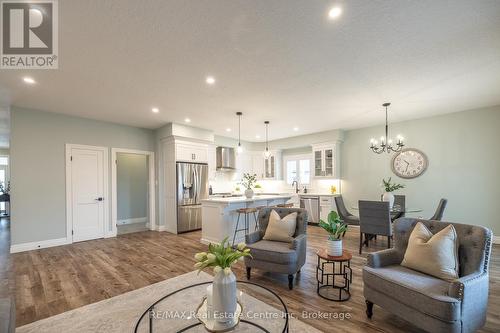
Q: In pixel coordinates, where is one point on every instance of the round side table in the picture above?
(334, 276)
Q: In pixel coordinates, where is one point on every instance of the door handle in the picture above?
(99, 199)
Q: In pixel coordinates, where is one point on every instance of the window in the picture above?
(298, 168)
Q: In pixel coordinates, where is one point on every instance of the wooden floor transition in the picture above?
(54, 280)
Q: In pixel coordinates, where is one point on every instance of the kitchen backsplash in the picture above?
(225, 182)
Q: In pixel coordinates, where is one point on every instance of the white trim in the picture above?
(151, 186)
(38, 245)
(133, 220)
(69, 204)
(496, 239)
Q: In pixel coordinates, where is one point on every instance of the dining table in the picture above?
(396, 211)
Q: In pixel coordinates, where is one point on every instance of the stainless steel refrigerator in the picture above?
(192, 187)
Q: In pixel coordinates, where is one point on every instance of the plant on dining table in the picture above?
(391, 187)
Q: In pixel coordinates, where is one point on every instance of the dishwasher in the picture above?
(311, 204)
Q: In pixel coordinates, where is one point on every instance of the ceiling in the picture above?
(276, 60)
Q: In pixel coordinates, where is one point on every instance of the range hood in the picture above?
(226, 160)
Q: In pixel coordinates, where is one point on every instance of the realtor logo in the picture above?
(29, 38)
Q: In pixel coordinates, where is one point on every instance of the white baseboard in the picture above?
(161, 228)
(496, 239)
(132, 221)
(38, 245)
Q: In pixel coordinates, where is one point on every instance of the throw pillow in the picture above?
(281, 229)
(436, 255)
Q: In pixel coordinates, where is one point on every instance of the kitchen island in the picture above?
(219, 215)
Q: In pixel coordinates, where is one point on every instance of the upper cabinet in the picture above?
(186, 151)
(253, 162)
(272, 166)
(326, 160)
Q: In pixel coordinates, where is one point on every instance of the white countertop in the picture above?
(241, 199)
(314, 194)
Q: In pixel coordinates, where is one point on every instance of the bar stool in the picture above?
(247, 212)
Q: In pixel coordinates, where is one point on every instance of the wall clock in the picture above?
(409, 163)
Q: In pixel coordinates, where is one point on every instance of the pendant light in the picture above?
(240, 148)
(267, 153)
(385, 142)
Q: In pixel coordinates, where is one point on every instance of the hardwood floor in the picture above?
(54, 280)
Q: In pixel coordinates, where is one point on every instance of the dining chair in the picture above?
(400, 200)
(374, 219)
(344, 214)
(438, 215)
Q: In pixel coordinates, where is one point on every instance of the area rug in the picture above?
(120, 313)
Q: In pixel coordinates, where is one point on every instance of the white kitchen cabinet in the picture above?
(326, 205)
(253, 162)
(244, 163)
(191, 152)
(272, 166)
(326, 160)
(258, 164)
(212, 162)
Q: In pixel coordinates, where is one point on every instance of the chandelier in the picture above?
(386, 144)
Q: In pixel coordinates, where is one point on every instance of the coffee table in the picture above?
(262, 310)
(334, 276)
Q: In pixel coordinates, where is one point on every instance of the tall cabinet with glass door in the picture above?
(326, 160)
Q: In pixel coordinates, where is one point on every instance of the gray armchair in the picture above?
(279, 257)
(430, 303)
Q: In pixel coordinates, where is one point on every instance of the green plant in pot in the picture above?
(390, 187)
(336, 229)
(249, 181)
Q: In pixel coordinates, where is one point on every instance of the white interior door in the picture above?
(88, 193)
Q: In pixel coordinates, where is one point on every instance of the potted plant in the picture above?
(258, 188)
(221, 258)
(389, 188)
(335, 228)
(248, 182)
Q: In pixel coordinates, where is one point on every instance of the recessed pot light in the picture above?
(334, 12)
(257, 136)
(29, 80)
(187, 120)
(228, 130)
(210, 80)
(155, 110)
(295, 129)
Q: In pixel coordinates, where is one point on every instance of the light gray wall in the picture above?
(464, 164)
(38, 166)
(131, 186)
